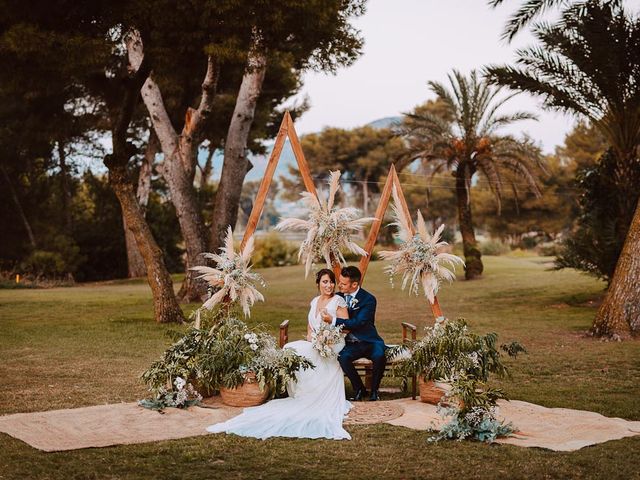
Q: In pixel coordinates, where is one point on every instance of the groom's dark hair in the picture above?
(352, 273)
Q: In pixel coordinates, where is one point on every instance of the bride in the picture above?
(316, 404)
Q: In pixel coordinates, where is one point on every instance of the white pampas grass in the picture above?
(232, 276)
(420, 260)
(328, 228)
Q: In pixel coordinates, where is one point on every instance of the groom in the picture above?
(363, 339)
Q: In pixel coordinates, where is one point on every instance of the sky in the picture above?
(409, 42)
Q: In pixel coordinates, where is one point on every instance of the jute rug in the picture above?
(559, 429)
(364, 413)
(126, 423)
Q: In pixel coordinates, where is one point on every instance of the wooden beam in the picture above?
(385, 196)
(392, 181)
(263, 190)
(303, 166)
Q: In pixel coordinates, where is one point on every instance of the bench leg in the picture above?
(368, 377)
(413, 387)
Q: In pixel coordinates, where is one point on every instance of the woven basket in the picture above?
(429, 391)
(246, 395)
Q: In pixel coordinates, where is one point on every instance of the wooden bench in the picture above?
(364, 365)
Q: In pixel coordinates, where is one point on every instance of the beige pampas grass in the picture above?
(232, 276)
(420, 260)
(328, 228)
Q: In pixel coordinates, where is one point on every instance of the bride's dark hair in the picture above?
(322, 273)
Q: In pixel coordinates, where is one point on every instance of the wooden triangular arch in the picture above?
(392, 180)
(288, 130)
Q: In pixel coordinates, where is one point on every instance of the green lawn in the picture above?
(87, 345)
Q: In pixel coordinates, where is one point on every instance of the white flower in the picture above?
(247, 336)
(254, 347)
(179, 382)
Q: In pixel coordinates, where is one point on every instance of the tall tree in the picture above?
(466, 141)
(316, 35)
(589, 65)
(528, 12)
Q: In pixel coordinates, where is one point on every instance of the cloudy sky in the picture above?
(407, 43)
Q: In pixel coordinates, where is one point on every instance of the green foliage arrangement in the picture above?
(218, 350)
(451, 353)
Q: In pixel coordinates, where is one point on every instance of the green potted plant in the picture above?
(447, 351)
(221, 353)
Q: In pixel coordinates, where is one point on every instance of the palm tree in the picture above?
(528, 11)
(460, 134)
(589, 65)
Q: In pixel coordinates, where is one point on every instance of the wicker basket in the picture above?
(246, 395)
(429, 391)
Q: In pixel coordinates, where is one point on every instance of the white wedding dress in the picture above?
(316, 404)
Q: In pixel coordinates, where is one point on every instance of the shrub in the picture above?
(42, 263)
(607, 205)
(273, 251)
(494, 247)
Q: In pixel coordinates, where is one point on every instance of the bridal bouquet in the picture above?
(328, 340)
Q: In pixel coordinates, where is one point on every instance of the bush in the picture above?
(273, 251)
(607, 205)
(549, 249)
(494, 247)
(42, 263)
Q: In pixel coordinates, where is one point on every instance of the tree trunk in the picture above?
(191, 223)
(165, 305)
(180, 158)
(64, 186)
(472, 256)
(234, 168)
(166, 308)
(207, 170)
(619, 314)
(365, 197)
(16, 200)
(135, 261)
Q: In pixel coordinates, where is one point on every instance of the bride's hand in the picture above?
(325, 316)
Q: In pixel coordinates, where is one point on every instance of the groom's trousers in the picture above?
(355, 350)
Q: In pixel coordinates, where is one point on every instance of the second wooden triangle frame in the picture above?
(287, 130)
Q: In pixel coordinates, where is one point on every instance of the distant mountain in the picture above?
(386, 122)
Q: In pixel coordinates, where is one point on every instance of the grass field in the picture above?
(87, 345)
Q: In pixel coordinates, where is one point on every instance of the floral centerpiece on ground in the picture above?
(328, 228)
(452, 354)
(218, 350)
(421, 259)
(220, 353)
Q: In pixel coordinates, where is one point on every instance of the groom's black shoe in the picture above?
(374, 396)
(359, 396)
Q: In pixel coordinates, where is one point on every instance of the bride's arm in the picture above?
(308, 332)
(341, 312)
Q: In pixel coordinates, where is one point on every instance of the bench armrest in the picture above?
(406, 328)
(284, 333)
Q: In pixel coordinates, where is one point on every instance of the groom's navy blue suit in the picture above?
(363, 340)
